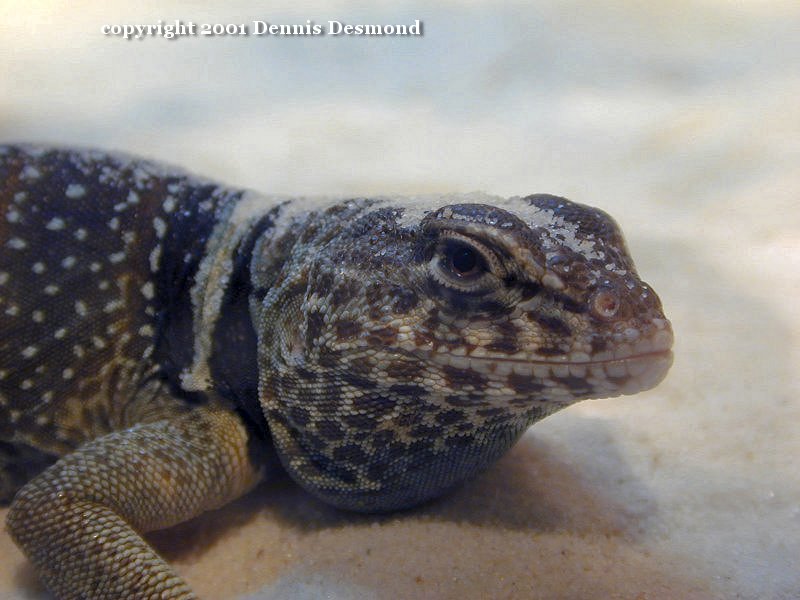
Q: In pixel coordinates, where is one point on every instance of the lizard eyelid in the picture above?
(465, 264)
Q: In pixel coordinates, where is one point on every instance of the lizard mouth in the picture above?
(579, 379)
(628, 370)
(541, 368)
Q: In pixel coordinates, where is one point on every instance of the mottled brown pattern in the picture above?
(463, 378)
(524, 384)
(405, 369)
(384, 336)
(348, 329)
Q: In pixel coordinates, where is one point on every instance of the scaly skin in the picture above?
(164, 338)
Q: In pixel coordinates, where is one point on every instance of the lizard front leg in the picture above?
(80, 521)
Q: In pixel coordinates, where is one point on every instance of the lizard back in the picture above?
(97, 253)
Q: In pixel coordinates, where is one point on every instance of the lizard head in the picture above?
(415, 346)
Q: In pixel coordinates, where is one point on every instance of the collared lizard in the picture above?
(164, 338)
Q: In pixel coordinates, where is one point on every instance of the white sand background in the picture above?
(682, 119)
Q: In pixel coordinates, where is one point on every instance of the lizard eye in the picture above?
(462, 260)
(464, 264)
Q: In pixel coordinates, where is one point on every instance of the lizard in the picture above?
(168, 342)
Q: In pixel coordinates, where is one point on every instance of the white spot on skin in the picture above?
(120, 207)
(17, 243)
(68, 373)
(29, 351)
(52, 289)
(129, 237)
(81, 308)
(113, 305)
(42, 420)
(3, 277)
(12, 216)
(160, 226)
(12, 310)
(169, 204)
(78, 351)
(74, 191)
(26, 384)
(133, 197)
(146, 331)
(60, 333)
(155, 256)
(147, 290)
(20, 197)
(117, 257)
(38, 268)
(69, 262)
(37, 316)
(103, 284)
(3, 374)
(55, 224)
(30, 172)
(98, 342)
(106, 174)
(80, 234)
(114, 223)
(47, 396)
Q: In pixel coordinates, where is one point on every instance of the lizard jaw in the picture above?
(627, 369)
(605, 378)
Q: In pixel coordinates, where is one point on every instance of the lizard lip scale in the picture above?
(635, 373)
(627, 369)
(164, 338)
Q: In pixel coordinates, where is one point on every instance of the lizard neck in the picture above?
(175, 262)
(202, 284)
(232, 361)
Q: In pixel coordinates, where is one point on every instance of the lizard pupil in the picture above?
(463, 260)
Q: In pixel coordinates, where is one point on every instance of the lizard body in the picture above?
(162, 337)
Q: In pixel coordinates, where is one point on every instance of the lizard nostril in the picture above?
(605, 304)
